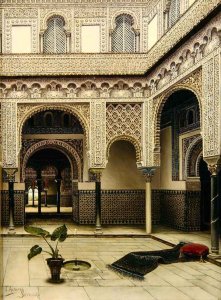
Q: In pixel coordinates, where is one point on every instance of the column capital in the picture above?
(10, 174)
(147, 172)
(214, 164)
(96, 174)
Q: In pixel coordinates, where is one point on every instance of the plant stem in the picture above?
(49, 246)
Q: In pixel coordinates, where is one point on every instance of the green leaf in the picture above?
(35, 250)
(59, 233)
(36, 231)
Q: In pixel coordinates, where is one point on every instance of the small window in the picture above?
(123, 36)
(48, 120)
(66, 120)
(54, 40)
(190, 117)
(174, 12)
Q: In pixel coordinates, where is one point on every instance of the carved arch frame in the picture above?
(135, 25)
(126, 138)
(189, 157)
(62, 146)
(52, 14)
(64, 108)
(157, 112)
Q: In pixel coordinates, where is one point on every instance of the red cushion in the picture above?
(194, 249)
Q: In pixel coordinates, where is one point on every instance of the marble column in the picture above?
(58, 184)
(39, 185)
(97, 178)
(148, 174)
(215, 208)
(11, 179)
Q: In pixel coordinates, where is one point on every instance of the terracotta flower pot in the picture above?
(55, 265)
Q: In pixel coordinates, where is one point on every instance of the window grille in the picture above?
(55, 37)
(174, 12)
(123, 36)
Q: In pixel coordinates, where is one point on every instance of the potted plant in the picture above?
(55, 262)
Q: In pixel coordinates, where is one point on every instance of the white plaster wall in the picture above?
(163, 177)
(121, 171)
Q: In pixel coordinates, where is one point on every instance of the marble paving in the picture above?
(28, 280)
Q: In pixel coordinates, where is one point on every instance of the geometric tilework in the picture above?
(117, 207)
(19, 208)
(180, 209)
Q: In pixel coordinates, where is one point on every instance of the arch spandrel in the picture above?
(27, 111)
(192, 83)
(62, 146)
(130, 139)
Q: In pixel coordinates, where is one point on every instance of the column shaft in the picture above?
(148, 208)
(215, 218)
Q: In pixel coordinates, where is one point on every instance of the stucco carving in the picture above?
(9, 134)
(211, 113)
(98, 134)
(124, 120)
(81, 111)
(192, 83)
(67, 149)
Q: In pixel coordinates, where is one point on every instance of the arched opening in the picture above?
(123, 35)
(121, 171)
(123, 194)
(55, 39)
(46, 166)
(53, 148)
(180, 192)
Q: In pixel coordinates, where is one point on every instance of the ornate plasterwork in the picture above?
(9, 134)
(81, 111)
(125, 63)
(192, 151)
(98, 134)
(79, 22)
(193, 83)
(64, 147)
(20, 13)
(61, 89)
(211, 115)
(124, 121)
(134, 12)
(8, 33)
(46, 14)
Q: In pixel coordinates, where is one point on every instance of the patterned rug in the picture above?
(138, 264)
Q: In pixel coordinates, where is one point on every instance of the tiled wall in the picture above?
(19, 209)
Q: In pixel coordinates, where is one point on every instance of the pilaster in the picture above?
(9, 134)
(97, 157)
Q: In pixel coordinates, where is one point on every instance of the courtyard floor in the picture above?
(29, 279)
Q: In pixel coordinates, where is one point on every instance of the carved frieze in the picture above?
(98, 134)
(211, 112)
(9, 134)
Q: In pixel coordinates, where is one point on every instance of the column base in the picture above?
(214, 256)
(11, 230)
(98, 231)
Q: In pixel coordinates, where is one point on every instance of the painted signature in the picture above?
(19, 292)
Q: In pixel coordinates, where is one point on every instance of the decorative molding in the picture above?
(67, 149)
(211, 114)
(7, 45)
(9, 134)
(98, 135)
(81, 111)
(193, 83)
(124, 121)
